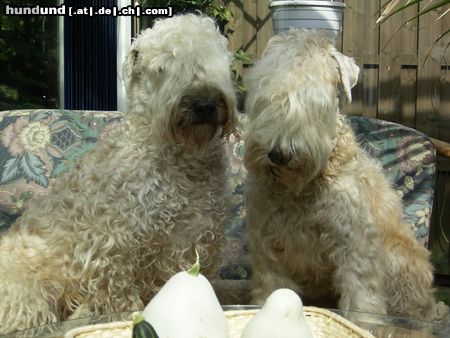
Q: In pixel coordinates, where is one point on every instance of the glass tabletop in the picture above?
(381, 326)
(58, 329)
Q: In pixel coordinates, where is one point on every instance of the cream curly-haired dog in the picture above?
(127, 218)
(321, 217)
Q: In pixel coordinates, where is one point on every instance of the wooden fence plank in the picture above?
(360, 28)
(250, 31)
(396, 40)
(265, 30)
(443, 49)
(235, 37)
(370, 90)
(428, 99)
(444, 126)
(360, 40)
(408, 95)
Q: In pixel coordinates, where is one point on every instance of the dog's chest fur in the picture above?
(295, 230)
(308, 246)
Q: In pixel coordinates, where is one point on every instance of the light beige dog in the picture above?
(127, 218)
(321, 217)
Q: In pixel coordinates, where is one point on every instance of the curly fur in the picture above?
(127, 218)
(321, 217)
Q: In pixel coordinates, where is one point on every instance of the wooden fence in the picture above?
(404, 76)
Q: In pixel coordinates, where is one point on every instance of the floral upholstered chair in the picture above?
(36, 146)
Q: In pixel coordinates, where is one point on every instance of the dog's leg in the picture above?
(25, 303)
(359, 273)
(28, 291)
(268, 272)
(410, 278)
(109, 300)
(358, 277)
(107, 284)
(267, 276)
(118, 298)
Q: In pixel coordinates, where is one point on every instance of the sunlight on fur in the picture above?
(322, 219)
(127, 218)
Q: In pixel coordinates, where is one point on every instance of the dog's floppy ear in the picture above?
(129, 66)
(348, 73)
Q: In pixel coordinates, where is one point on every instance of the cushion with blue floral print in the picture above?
(36, 146)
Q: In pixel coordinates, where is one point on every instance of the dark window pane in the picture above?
(28, 58)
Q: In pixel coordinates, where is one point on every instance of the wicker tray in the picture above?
(323, 324)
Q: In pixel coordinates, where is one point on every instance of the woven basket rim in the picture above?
(338, 318)
(309, 311)
(337, 322)
(73, 333)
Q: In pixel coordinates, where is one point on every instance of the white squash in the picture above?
(280, 317)
(187, 307)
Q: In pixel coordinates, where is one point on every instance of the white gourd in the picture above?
(280, 317)
(187, 307)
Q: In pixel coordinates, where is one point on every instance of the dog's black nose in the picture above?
(204, 108)
(277, 157)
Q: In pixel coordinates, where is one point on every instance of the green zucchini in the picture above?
(141, 328)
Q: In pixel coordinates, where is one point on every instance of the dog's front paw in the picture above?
(258, 298)
(439, 314)
(372, 304)
(81, 311)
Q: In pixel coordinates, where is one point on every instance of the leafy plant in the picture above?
(178, 7)
(239, 56)
(393, 7)
(212, 8)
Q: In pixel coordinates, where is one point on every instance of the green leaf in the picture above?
(59, 168)
(33, 169)
(240, 55)
(25, 196)
(10, 170)
(223, 13)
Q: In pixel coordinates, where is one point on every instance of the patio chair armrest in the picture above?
(442, 148)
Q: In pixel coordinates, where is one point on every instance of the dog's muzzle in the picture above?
(202, 106)
(277, 157)
(204, 110)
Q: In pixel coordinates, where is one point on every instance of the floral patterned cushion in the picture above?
(38, 145)
(408, 158)
(236, 265)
